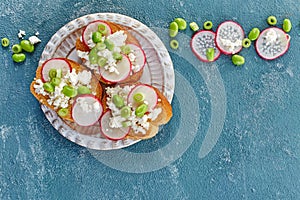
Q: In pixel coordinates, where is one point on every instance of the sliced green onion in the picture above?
(272, 20)
(100, 46)
(210, 54)
(5, 42)
(16, 48)
(194, 26)
(63, 112)
(102, 29)
(55, 81)
(246, 43)
(138, 97)
(52, 73)
(208, 25)
(174, 44)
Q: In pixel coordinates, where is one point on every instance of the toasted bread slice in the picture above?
(163, 118)
(95, 88)
(134, 77)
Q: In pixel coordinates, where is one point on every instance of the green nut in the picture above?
(254, 33)
(18, 57)
(63, 112)
(83, 90)
(238, 60)
(181, 23)
(118, 101)
(93, 57)
(210, 54)
(173, 29)
(96, 37)
(125, 112)
(287, 25)
(27, 46)
(48, 87)
(141, 110)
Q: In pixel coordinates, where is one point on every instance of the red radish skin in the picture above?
(112, 133)
(113, 77)
(150, 95)
(77, 114)
(55, 63)
(203, 58)
(92, 27)
(242, 36)
(140, 55)
(262, 35)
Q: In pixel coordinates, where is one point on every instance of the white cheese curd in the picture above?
(84, 77)
(90, 42)
(231, 45)
(271, 36)
(21, 34)
(39, 89)
(154, 113)
(118, 38)
(83, 54)
(84, 105)
(72, 77)
(34, 40)
(138, 124)
(116, 122)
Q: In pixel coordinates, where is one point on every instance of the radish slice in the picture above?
(272, 43)
(109, 132)
(140, 57)
(86, 110)
(93, 27)
(123, 67)
(201, 41)
(150, 95)
(55, 63)
(229, 37)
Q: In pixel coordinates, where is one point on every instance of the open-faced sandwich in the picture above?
(134, 111)
(111, 52)
(69, 89)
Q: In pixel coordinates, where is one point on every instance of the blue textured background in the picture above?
(257, 154)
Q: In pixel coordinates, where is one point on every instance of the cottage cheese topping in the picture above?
(88, 107)
(57, 98)
(231, 45)
(118, 39)
(132, 58)
(271, 36)
(138, 124)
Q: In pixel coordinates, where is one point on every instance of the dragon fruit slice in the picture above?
(202, 41)
(272, 43)
(229, 37)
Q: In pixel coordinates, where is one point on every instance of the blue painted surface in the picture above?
(256, 156)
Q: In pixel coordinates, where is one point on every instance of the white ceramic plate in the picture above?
(158, 72)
